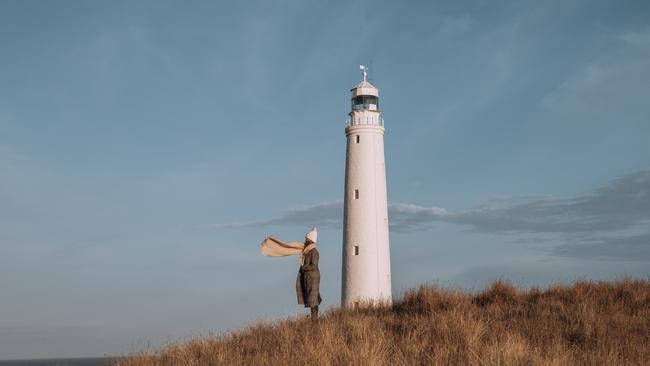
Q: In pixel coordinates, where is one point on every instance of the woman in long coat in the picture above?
(308, 279)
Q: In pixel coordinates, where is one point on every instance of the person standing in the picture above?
(308, 279)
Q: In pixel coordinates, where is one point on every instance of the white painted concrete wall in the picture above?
(366, 276)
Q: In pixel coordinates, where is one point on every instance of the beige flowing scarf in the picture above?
(273, 247)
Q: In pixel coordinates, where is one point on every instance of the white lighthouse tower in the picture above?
(366, 253)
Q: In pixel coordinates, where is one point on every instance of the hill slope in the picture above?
(587, 323)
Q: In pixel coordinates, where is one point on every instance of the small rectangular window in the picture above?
(357, 139)
(356, 194)
(356, 250)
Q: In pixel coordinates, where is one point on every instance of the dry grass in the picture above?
(588, 323)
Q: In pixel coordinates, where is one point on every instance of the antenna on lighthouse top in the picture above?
(364, 71)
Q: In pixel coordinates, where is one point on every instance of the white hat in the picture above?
(312, 234)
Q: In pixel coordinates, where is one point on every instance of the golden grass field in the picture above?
(587, 323)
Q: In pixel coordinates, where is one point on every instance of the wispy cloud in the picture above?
(623, 204)
(608, 89)
(638, 38)
(634, 247)
(604, 223)
(404, 217)
(326, 215)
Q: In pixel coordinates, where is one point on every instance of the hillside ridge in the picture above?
(584, 323)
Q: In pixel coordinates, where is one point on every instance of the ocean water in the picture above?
(95, 361)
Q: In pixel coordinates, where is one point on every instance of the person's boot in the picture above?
(314, 313)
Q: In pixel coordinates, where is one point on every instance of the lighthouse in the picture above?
(366, 254)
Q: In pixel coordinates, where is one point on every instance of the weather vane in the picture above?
(364, 71)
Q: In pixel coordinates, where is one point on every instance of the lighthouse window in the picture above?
(365, 101)
(356, 194)
(357, 139)
(356, 250)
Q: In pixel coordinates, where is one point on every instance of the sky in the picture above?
(147, 147)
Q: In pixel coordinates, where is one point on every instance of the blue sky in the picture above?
(146, 148)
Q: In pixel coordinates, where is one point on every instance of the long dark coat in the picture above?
(308, 281)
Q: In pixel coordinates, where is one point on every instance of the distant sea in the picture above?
(94, 361)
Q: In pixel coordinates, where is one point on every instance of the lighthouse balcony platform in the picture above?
(365, 121)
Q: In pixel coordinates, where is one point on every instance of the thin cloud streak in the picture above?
(325, 215)
(602, 225)
(404, 217)
(621, 205)
(626, 248)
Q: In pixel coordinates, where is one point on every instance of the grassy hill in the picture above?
(587, 323)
